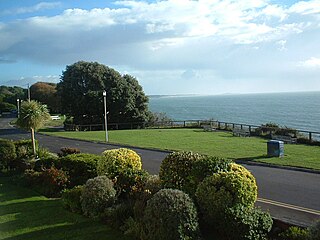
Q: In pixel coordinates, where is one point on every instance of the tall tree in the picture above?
(81, 88)
(46, 93)
(32, 117)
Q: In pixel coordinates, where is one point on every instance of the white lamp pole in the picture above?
(105, 113)
(18, 106)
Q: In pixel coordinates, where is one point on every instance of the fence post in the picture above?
(218, 125)
(249, 128)
(241, 126)
(232, 125)
(184, 124)
(225, 126)
(310, 136)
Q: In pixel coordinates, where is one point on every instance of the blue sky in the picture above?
(171, 47)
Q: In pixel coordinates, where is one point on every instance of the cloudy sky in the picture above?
(171, 47)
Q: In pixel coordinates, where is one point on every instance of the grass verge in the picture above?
(221, 144)
(26, 215)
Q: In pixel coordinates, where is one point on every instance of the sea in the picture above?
(300, 110)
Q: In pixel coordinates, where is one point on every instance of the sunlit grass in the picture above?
(221, 144)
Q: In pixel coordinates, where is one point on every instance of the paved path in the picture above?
(288, 195)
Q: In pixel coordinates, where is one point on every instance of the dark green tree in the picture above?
(81, 87)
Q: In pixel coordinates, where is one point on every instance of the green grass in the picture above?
(26, 215)
(221, 144)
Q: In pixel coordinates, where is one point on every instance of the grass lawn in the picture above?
(221, 144)
(27, 215)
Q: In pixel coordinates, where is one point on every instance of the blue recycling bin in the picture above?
(275, 148)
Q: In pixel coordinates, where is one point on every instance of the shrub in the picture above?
(80, 167)
(71, 199)
(97, 195)
(46, 162)
(246, 223)
(123, 167)
(314, 231)
(49, 182)
(225, 190)
(176, 168)
(24, 149)
(117, 160)
(67, 151)
(7, 153)
(185, 170)
(117, 215)
(129, 182)
(294, 233)
(170, 214)
(53, 181)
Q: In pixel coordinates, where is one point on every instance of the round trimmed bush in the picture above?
(314, 231)
(224, 190)
(71, 199)
(185, 170)
(246, 223)
(97, 195)
(117, 160)
(170, 214)
(176, 168)
(7, 153)
(80, 167)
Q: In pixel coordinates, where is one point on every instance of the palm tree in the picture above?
(32, 117)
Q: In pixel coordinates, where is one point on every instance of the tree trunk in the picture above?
(33, 142)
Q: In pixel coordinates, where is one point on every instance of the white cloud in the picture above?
(310, 63)
(303, 7)
(218, 40)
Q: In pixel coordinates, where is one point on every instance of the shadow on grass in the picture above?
(252, 159)
(26, 215)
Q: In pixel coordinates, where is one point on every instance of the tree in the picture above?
(81, 87)
(46, 93)
(32, 117)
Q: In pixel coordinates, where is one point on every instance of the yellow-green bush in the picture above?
(118, 160)
(225, 190)
(185, 170)
(123, 166)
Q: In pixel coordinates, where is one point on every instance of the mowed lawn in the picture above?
(221, 144)
(25, 215)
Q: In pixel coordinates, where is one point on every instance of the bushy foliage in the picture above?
(294, 233)
(67, 151)
(46, 162)
(170, 214)
(49, 181)
(71, 199)
(246, 223)
(176, 168)
(97, 195)
(314, 231)
(225, 190)
(118, 160)
(54, 181)
(185, 170)
(123, 167)
(7, 153)
(117, 214)
(24, 149)
(80, 167)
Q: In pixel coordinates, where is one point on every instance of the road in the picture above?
(288, 195)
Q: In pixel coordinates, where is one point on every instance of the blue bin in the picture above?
(275, 148)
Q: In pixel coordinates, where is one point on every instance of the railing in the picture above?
(228, 126)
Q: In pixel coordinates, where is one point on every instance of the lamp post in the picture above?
(18, 106)
(105, 113)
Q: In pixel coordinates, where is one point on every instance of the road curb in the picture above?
(298, 169)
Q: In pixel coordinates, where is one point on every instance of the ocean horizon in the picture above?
(299, 110)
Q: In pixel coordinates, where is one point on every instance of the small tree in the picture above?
(32, 117)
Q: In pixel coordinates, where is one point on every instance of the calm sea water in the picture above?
(296, 110)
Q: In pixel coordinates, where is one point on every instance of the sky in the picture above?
(171, 47)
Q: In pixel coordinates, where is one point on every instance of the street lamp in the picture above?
(18, 106)
(105, 113)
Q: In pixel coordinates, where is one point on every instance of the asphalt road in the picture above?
(279, 187)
